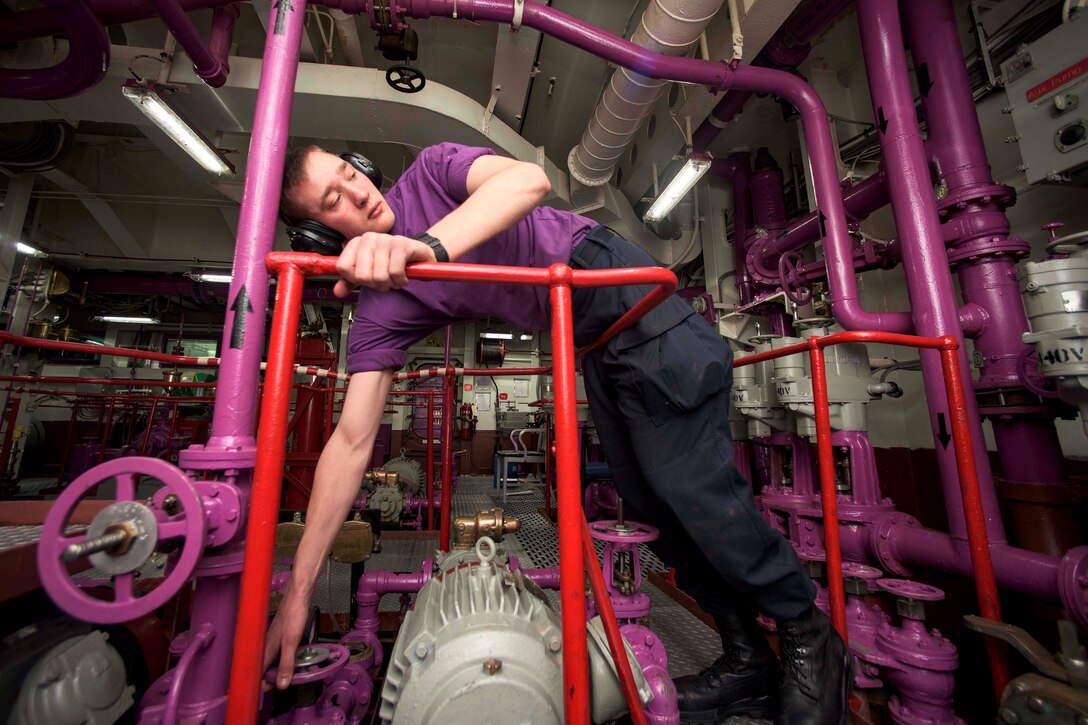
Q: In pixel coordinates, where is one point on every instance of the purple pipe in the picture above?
(85, 65)
(787, 48)
(211, 69)
(929, 282)
(737, 169)
(222, 33)
(860, 200)
(233, 422)
(845, 304)
(372, 586)
(543, 578)
(44, 21)
(976, 225)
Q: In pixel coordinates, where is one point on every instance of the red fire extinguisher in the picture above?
(468, 422)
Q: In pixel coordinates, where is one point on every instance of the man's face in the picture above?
(334, 193)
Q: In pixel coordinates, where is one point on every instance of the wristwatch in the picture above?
(440, 253)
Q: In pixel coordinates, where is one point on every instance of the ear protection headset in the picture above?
(308, 235)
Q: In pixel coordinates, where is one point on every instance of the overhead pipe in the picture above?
(787, 48)
(40, 22)
(207, 66)
(975, 223)
(84, 66)
(222, 34)
(347, 32)
(929, 281)
(669, 27)
(845, 303)
(737, 169)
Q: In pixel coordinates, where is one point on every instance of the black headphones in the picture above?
(310, 236)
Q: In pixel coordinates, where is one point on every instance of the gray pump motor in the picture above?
(483, 645)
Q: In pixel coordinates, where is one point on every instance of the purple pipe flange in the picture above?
(187, 523)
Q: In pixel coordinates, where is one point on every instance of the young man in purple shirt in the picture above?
(658, 394)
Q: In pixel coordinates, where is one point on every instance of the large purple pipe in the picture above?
(929, 282)
(45, 21)
(235, 403)
(845, 303)
(976, 225)
(85, 65)
(212, 70)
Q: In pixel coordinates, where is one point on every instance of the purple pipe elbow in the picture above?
(543, 578)
(207, 66)
(86, 63)
(45, 21)
(222, 34)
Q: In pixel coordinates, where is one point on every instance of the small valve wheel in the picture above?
(1027, 369)
(622, 533)
(314, 663)
(789, 276)
(405, 78)
(120, 539)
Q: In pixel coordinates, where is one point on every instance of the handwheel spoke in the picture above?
(126, 486)
(124, 590)
(172, 529)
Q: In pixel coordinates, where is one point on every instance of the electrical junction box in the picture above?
(1047, 86)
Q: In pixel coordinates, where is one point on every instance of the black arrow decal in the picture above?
(282, 8)
(241, 308)
(924, 82)
(881, 121)
(823, 225)
(942, 431)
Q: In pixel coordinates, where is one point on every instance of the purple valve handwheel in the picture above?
(622, 533)
(907, 589)
(861, 571)
(134, 524)
(314, 663)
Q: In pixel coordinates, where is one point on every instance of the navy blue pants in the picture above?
(659, 397)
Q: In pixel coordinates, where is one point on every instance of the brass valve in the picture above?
(467, 530)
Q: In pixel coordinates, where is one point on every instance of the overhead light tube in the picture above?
(29, 250)
(681, 184)
(129, 320)
(497, 335)
(213, 277)
(155, 107)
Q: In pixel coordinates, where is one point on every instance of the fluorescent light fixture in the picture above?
(497, 336)
(526, 337)
(212, 277)
(123, 319)
(155, 107)
(681, 184)
(29, 250)
(92, 341)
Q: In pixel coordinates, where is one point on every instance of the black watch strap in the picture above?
(440, 253)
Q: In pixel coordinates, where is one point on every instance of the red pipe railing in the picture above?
(291, 267)
(985, 582)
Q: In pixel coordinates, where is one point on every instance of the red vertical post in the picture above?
(985, 584)
(245, 674)
(447, 458)
(430, 461)
(547, 464)
(150, 424)
(571, 572)
(106, 432)
(828, 500)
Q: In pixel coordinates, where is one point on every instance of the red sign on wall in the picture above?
(468, 387)
(504, 396)
(1058, 80)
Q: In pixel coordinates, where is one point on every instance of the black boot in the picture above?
(817, 672)
(741, 682)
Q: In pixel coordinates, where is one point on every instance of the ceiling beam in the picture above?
(515, 58)
(102, 212)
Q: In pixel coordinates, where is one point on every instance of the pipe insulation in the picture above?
(347, 32)
(668, 27)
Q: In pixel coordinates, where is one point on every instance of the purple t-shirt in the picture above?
(387, 323)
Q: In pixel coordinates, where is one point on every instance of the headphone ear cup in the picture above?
(315, 237)
(365, 166)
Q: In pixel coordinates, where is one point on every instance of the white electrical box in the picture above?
(1047, 86)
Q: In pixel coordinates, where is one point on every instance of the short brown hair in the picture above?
(294, 172)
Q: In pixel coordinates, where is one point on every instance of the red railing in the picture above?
(291, 269)
(985, 583)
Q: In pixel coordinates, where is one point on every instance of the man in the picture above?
(658, 394)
